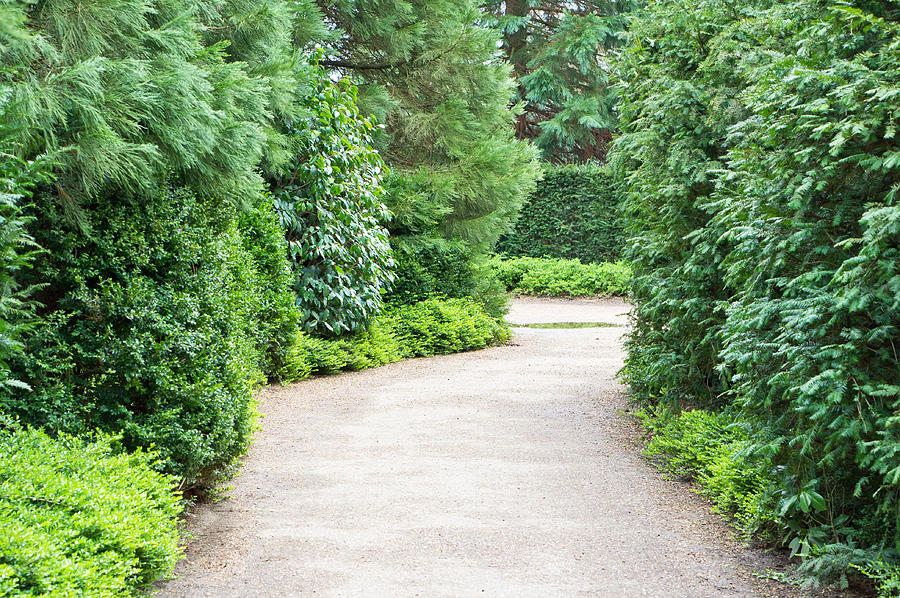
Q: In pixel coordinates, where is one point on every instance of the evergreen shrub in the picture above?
(558, 277)
(760, 162)
(428, 267)
(82, 518)
(423, 329)
(329, 200)
(573, 214)
(157, 325)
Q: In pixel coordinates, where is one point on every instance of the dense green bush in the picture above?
(81, 518)
(572, 214)
(423, 329)
(436, 327)
(429, 267)
(556, 277)
(760, 161)
(151, 326)
(275, 311)
(329, 202)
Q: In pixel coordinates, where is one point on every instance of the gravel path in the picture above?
(508, 472)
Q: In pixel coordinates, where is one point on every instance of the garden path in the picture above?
(508, 472)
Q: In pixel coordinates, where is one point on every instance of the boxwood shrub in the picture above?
(159, 318)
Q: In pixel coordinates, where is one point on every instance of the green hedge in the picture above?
(760, 158)
(157, 323)
(573, 214)
(557, 277)
(81, 518)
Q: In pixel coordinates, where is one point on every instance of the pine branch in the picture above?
(341, 64)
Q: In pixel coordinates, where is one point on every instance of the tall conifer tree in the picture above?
(559, 52)
(429, 72)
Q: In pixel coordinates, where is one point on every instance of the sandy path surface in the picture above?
(508, 472)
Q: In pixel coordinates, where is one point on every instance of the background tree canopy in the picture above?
(561, 57)
(429, 72)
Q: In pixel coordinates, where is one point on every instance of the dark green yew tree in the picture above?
(761, 163)
(560, 53)
(669, 155)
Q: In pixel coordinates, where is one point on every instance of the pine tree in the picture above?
(559, 52)
(429, 73)
(128, 93)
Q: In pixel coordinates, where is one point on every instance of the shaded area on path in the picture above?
(508, 472)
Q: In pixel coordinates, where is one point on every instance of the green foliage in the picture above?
(556, 277)
(81, 518)
(760, 162)
(152, 327)
(561, 61)
(329, 202)
(17, 250)
(448, 134)
(428, 70)
(422, 329)
(438, 327)
(433, 267)
(712, 450)
(572, 214)
(125, 92)
(274, 310)
(668, 158)
(886, 578)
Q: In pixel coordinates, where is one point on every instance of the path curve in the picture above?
(508, 472)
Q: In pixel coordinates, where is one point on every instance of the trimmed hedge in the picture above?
(573, 214)
(81, 518)
(157, 324)
(760, 158)
(557, 277)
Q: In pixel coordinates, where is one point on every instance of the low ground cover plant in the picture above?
(711, 450)
(715, 451)
(82, 518)
(561, 277)
(427, 328)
